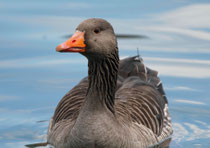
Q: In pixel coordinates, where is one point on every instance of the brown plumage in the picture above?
(120, 104)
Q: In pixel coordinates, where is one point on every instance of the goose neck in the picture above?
(102, 75)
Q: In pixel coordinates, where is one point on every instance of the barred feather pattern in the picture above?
(141, 99)
(139, 102)
(69, 106)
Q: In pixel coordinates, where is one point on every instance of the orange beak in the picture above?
(73, 44)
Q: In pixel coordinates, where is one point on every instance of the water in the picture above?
(33, 77)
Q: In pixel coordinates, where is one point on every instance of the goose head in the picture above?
(94, 38)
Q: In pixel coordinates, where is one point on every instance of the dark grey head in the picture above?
(98, 41)
(95, 39)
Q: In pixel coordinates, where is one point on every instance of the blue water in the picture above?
(33, 77)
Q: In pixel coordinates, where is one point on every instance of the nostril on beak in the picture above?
(73, 41)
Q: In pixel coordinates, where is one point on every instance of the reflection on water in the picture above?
(33, 77)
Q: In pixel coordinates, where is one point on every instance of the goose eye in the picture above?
(97, 30)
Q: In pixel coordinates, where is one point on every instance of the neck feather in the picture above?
(102, 75)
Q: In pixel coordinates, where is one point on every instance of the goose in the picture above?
(120, 104)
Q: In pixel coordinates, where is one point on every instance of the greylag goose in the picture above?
(121, 104)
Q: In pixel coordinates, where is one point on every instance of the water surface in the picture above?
(33, 77)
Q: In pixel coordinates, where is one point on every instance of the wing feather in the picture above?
(139, 98)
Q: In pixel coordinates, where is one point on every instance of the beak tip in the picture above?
(58, 48)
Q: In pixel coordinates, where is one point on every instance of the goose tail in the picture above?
(134, 66)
